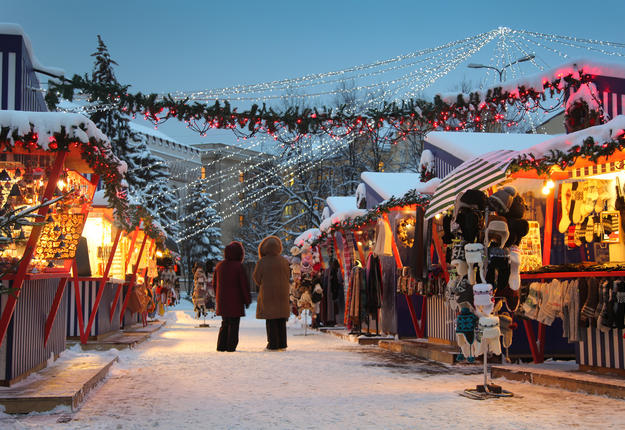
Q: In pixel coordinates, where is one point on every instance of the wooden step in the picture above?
(566, 376)
(65, 383)
(423, 349)
(355, 338)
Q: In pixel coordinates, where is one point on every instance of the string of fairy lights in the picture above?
(393, 79)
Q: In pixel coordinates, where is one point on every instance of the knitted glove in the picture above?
(588, 310)
(603, 322)
(474, 254)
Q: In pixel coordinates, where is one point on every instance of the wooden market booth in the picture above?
(46, 155)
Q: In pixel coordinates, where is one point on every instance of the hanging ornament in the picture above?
(4, 176)
(15, 191)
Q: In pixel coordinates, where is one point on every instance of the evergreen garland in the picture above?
(472, 110)
(412, 197)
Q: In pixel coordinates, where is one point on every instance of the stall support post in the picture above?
(103, 281)
(537, 348)
(54, 309)
(120, 286)
(133, 278)
(29, 251)
(548, 230)
(81, 318)
(438, 245)
(419, 326)
(144, 314)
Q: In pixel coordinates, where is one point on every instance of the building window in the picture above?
(288, 210)
(381, 166)
(241, 220)
(203, 173)
(241, 177)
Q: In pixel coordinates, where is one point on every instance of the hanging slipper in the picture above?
(565, 221)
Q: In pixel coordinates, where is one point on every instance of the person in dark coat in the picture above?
(272, 275)
(232, 295)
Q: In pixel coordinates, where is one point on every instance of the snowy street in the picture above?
(178, 380)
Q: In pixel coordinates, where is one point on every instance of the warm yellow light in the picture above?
(159, 254)
(61, 184)
(546, 190)
(437, 216)
(550, 184)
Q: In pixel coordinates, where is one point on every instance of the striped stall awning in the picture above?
(480, 172)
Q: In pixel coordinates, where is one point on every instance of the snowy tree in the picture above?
(204, 246)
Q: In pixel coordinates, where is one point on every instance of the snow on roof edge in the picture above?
(15, 29)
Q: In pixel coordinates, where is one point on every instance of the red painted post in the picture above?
(541, 341)
(133, 279)
(413, 315)
(438, 245)
(120, 286)
(103, 281)
(29, 251)
(531, 339)
(54, 309)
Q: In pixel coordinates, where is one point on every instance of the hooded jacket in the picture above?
(271, 274)
(232, 288)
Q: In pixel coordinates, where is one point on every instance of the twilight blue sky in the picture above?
(167, 46)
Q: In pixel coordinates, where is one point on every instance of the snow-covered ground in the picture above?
(178, 380)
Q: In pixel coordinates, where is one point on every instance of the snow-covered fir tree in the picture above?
(147, 175)
(198, 213)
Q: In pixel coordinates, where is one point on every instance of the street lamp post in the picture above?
(502, 70)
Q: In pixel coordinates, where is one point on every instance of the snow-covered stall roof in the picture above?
(339, 217)
(341, 203)
(387, 184)
(17, 30)
(308, 237)
(600, 133)
(100, 199)
(466, 145)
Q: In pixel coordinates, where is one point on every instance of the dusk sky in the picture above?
(167, 46)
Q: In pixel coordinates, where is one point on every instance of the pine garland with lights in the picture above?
(103, 162)
(466, 111)
(412, 197)
(589, 149)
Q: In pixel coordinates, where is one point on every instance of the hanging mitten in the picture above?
(465, 333)
(474, 255)
(530, 305)
(566, 192)
(488, 326)
(515, 269)
(603, 322)
(498, 273)
(590, 306)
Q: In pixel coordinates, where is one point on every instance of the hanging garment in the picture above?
(374, 286)
(388, 314)
(383, 238)
(357, 289)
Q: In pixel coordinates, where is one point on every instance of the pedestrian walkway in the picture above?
(178, 380)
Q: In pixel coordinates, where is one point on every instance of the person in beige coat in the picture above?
(271, 274)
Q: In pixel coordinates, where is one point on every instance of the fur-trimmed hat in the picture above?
(517, 208)
(474, 199)
(482, 294)
(518, 229)
(497, 228)
(501, 200)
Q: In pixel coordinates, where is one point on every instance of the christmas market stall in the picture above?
(104, 270)
(46, 158)
(532, 240)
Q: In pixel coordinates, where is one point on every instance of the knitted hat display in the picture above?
(488, 326)
(474, 199)
(501, 200)
(498, 273)
(497, 229)
(470, 223)
(518, 229)
(474, 254)
(515, 269)
(458, 259)
(465, 334)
